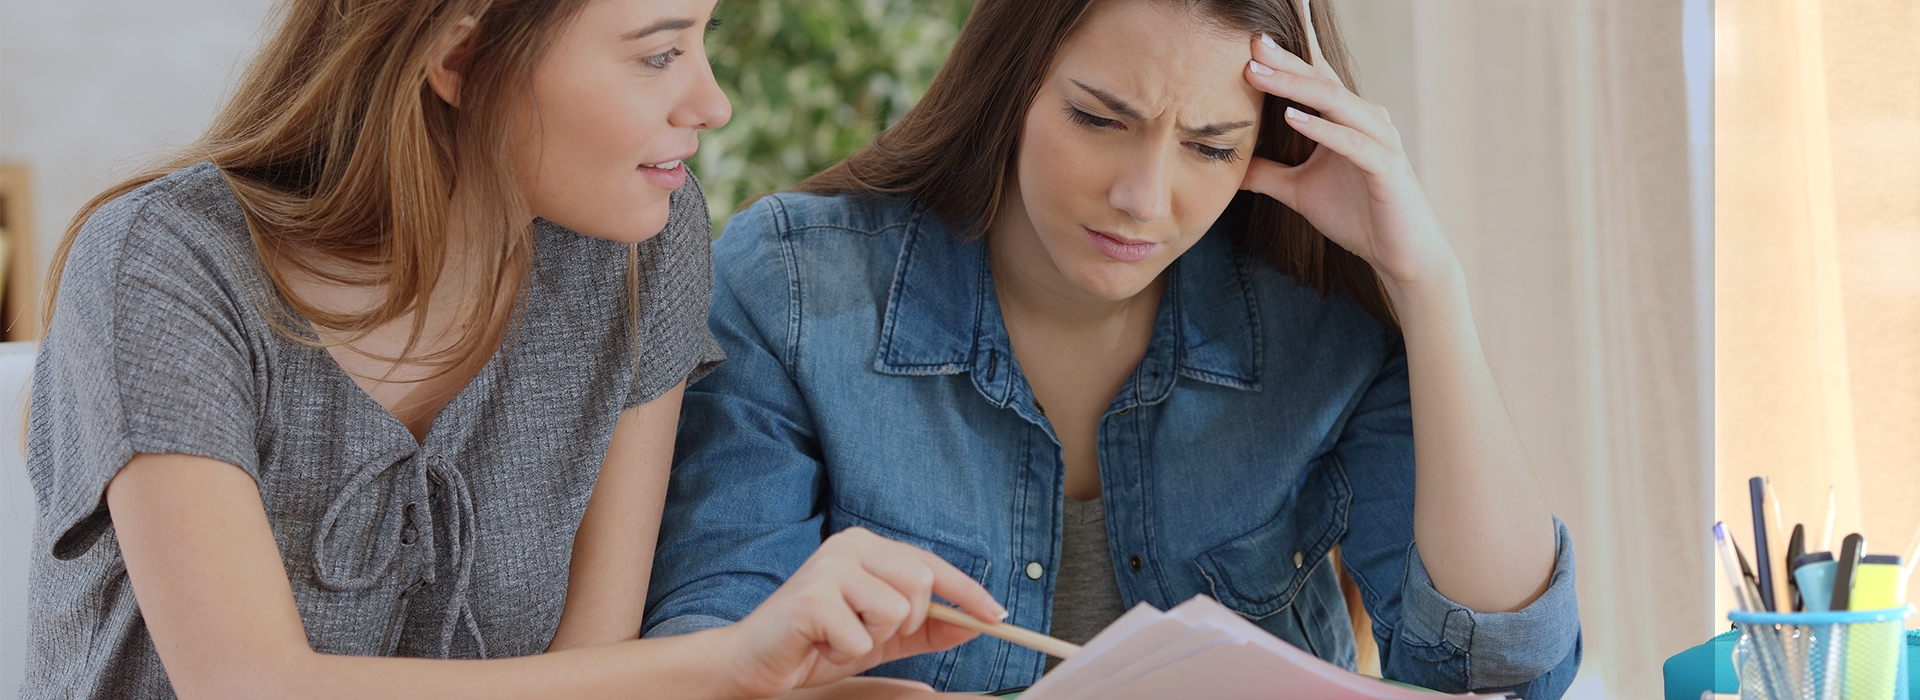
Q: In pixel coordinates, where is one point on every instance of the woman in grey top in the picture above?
(389, 364)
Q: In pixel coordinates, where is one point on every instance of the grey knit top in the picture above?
(456, 546)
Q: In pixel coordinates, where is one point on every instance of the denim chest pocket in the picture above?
(1262, 571)
(972, 564)
(936, 669)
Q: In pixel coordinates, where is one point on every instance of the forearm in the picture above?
(689, 666)
(1480, 517)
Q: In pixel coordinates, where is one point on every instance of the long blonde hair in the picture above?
(344, 160)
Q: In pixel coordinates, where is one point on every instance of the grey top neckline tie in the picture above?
(404, 523)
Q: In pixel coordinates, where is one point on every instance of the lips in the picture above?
(1119, 249)
(669, 175)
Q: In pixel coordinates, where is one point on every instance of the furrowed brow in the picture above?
(1119, 106)
(1216, 129)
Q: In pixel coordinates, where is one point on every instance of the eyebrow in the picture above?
(665, 25)
(1120, 107)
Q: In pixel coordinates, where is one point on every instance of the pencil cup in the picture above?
(1855, 655)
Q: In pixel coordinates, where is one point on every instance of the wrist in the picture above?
(1413, 287)
(715, 655)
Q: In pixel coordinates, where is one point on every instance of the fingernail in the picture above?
(1295, 114)
(1259, 68)
(1000, 613)
(1268, 40)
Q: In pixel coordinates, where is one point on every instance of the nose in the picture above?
(705, 106)
(1143, 190)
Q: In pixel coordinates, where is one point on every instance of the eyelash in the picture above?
(660, 61)
(1221, 155)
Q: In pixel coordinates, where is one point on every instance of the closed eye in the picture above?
(1224, 155)
(1084, 119)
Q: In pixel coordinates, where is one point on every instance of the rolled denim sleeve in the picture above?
(742, 502)
(1533, 651)
(1424, 638)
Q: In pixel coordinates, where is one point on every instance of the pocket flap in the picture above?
(1260, 572)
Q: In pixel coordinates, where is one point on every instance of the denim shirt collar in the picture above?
(943, 317)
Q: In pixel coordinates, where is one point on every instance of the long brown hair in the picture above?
(954, 152)
(344, 160)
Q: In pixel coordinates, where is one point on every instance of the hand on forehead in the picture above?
(1314, 54)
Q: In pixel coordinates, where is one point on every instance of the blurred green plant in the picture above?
(811, 82)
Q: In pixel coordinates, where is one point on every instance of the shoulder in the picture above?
(183, 230)
(191, 205)
(1294, 325)
(791, 214)
(830, 262)
(834, 235)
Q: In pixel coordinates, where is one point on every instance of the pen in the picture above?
(1001, 630)
(1782, 590)
(1754, 602)
(1796, 546)
(1746, 598)
(1757, 493)
(1844, 573)
(1723, 546)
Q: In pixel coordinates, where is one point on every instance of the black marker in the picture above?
(1796, 546)
(1757, 489)
(1843, 575)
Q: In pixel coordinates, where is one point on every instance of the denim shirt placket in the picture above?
(1125, 460)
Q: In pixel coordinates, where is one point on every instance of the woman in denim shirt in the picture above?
(1039, 329)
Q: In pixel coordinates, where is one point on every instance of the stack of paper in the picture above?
(1202, 650)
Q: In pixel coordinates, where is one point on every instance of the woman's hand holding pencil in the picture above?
(861, 600)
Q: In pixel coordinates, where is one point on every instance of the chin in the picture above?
(636, 227)
(1113, 284)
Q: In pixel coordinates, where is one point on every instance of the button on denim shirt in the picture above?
(870, 383)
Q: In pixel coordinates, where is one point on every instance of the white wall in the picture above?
(88, 90)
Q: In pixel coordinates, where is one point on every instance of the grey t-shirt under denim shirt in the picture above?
(457, 546)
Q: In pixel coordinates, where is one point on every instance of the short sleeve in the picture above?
(145, 354)
(675, 274)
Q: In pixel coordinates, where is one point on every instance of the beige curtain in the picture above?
(1552, 136)
(1818, 265)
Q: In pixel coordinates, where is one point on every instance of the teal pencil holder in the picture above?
(1854, 655)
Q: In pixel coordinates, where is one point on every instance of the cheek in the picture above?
(1059, 175)
(1204, 196)
(587, 135)
(591, 129)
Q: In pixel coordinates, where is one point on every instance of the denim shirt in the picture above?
(870, 382)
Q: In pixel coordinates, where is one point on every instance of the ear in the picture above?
(447, 69)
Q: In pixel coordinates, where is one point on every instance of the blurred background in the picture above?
(1565, 143)
(1818, 272)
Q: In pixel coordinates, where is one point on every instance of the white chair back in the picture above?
(16, 513)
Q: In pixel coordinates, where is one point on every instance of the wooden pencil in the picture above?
(1776, 534)
(1001, 630)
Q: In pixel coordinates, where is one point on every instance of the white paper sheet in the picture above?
(1201, 649)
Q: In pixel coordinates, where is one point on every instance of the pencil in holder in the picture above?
(1853, 655)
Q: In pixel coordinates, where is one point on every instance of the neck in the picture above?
(447, 308)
